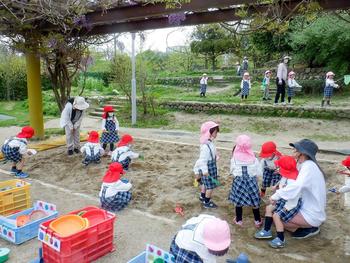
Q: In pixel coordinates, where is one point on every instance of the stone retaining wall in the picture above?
(301, 73)
(257, 109)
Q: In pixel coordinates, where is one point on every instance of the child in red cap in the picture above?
(15, 148)
(115, 192)
(346, 163)
(271, 177)
(92, 150)
(110, 127)
(281, 210)
(123, 153)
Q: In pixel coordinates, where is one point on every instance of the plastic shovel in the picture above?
(179, 210)
(215, 181)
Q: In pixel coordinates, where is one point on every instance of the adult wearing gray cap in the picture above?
(71, 118)
(310, 183)
(281, 80)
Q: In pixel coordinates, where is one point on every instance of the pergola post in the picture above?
(34, 94)
(133, 81)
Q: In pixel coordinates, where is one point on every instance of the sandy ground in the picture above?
(164, 178)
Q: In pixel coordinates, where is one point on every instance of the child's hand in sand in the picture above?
(31, 152)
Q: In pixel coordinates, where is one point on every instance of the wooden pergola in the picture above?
(139, 17)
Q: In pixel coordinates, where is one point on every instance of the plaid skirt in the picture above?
(328, 91)
(245, 190)
(116, 202)
(213, 174)
(92, 158)
(111, 136)
(203, 88)
(270, 178)
(11, 154)
(245, 90)
(284, 214)
(291, 91)
(182, 255)
(125, 163)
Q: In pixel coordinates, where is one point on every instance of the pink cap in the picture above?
(205, 128)
(243, 151)
(291, 73)
(329, 73)
(216, 234)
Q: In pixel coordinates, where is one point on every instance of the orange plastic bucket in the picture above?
(68, 225)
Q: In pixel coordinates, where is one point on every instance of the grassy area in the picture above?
(17, 109)
(330, 137)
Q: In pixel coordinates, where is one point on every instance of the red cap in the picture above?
(107, 109)
(268, 149)
(26, 132)
(288, 167)
(346, 162)
(93, 137)
(125, 140)
(113, 173)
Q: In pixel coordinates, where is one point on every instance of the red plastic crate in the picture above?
(83, 247)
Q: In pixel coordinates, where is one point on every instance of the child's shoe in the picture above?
(277, 243)
(239, 223)
(70, 152)
(13, 170)
(98, 161)
(201, 198)
(21, 175)
(263, 234)
(86, 163)
(76, 150)
(210, 204)
(258, 224)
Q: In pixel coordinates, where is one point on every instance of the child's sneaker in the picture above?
(263, 234)
(277, 243)
(76, 151)
(210, 204)
(239, 223)
(86, 163)
(201, 198)
(21, 175)
(98, 161)
(258, 224)
(13, 170)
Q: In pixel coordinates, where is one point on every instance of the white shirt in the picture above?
(192, 240)
(66, 115)
(96, 148)
(114, 188)
(123, 152)
(103, 126)
(268, 163)
(311, 185)
(18, 143)
(331, 82)
(293, 83)
(204, 80)
(282, 72)
(253, 168)
(204, 157)
(291, 203)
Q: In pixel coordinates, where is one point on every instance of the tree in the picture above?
(211, 41)
(120, 72)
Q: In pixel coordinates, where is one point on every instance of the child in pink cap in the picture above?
(328, 88)
(205, 168)
(201, 239)
(245, 168)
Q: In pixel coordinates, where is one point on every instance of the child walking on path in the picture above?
(115, 192)
(92, 150)
(203, 83)
(245, 168)
(110, 127)
(245, 86)
(123, 153)
(206, 167)
(328, 89)
(281, 210)
(15, 150)
(271, 176)
(292, 85)
(266, 85)
(201, 239)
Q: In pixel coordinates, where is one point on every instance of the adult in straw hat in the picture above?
(71, 118)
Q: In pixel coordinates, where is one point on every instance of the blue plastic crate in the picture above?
(151, 254)
(19, 235)
(139, 258)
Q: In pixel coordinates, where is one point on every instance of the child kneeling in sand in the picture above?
(123, 153)
(281, 210)
(115, 192)
(201, 239)
(92, 150)
(15, 150)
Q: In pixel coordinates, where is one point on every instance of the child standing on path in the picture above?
(266, 85)
(245, 168)
(201, 239)
(204, 83)
(245, 86)
(281, 210)
(115, 192)
(205, 167)
(92, 150)
(269, 155)
(123, 154)
(15, 150)
(292, 85)
(328, 89)
(110, 127)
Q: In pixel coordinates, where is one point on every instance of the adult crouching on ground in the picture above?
(71, 118)
(310, 183)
